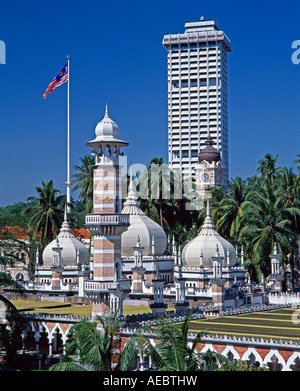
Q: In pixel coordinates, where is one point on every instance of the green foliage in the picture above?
(47, 212)
(91, 348)
(83, 180)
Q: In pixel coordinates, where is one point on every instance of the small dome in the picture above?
(205, 244)
(141, 226)
(106, 128)
(209, 153)
(71, 248)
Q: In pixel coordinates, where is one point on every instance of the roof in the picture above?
(81, 233)
(16, 232)
(20, 233)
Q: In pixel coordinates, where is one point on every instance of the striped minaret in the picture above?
(107, 289)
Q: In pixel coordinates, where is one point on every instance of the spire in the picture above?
(37, 256)
(106, 111)
(201, 257)
(153, 245)
(179, 262)
(173, 246)
(65, 231)
(242, 256)
(138, 243)
(208, 223)
(228, 257)
(207, 208)
(132, 205)
(66, 212)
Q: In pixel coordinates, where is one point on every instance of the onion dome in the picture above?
(209, 153)
(204, 245)
(152, 237)
(106, 128)
(73, 251)
(106, 131)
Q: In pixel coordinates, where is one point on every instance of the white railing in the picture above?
(105, 286)
(115, 219)
(284, 298)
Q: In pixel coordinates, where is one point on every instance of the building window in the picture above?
(194, 83)
(184, 83)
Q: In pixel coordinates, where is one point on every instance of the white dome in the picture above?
(206, 243)
(106, 128)
(70, 247)
(141, 226)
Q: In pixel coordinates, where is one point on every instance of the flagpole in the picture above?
(68, 183)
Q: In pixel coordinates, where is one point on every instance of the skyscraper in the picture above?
(197, 94)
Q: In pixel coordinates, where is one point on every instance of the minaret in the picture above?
(56, 266)
(107, 289)
(217, 282)
(138, 270)
(275, 275)
(158, 306)
(181, 305)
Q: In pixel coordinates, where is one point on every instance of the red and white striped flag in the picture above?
(61, 78)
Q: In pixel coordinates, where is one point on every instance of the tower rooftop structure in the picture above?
(209, 153)
(106, 131)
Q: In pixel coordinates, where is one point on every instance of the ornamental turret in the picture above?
(107, 290)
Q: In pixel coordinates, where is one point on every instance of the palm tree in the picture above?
(265, 221)
(93, 347)
(297, 161)
(48, 212)
(228, 211)
(172, 351)
(84, 181)
(158, 176)
(267, 166)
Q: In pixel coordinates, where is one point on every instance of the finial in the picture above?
(66, 212)
(68, 57)
(228, 257)
(201, 257)
(106, 111)
(242, 256)
(153, 245)
(130, 180)
(275, 248)
(138, 243)
(207, 208)
(37, 256)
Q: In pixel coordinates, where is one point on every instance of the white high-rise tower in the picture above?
(197, 94)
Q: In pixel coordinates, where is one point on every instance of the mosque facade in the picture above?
(132, 258)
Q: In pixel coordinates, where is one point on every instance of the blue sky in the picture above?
(118, 57)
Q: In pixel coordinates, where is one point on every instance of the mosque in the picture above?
(132, 260)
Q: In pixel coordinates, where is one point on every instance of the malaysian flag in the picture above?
(61, 78)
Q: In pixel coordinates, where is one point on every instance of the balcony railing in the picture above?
(99, 286)
(104, 219)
